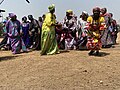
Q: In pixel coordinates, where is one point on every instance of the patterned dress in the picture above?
(14, 28)
(69, 26)
(82, 34)
(94, 27)
(107, 33)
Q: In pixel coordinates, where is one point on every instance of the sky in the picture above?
(39, 7)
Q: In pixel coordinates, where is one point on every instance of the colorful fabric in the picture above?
(82, 28)
(94, 42)
(49, 44)
(11, 15)
(106, 38)
(82, 34)
(70, 27)
(16, 41)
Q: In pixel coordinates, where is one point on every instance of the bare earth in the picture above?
(73, 70)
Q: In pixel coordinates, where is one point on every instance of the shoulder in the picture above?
(8, 22)
(48, 14)
(18, 22)
(36, 21)
(102, 19)
(89, 18)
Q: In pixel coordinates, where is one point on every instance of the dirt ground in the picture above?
(73, 70)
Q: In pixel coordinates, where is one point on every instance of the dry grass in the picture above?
(73, 70)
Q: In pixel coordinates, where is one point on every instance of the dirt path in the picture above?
(73, 70)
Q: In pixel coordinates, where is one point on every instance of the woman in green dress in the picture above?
(49, 44)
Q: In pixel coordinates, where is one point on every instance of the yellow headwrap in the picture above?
(69, 11)
(51, 7)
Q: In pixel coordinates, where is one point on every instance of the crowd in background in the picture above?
(86, 32)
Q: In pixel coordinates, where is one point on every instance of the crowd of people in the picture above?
(88, 32)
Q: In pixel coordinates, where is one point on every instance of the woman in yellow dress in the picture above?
(95, 25)
(49, 44)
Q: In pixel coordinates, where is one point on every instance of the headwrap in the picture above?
(69, 11)
(51, 7)
(11, 15)
(85, 12)
(30, 16)
(96, 9)
(24, 18)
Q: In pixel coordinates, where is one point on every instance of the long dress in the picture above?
(25, 37)
(40, 26)
(49, 44)
(115, 31)
(94, 27)
(35, 35)
(14, 28)
(70, 26)
(107, 33)
(82, 35)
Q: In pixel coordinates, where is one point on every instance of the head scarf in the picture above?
(30, 17)
(51, 7)
(11, 15)
(69, 11)
(85, 12)
(96, 9)
(24, 18)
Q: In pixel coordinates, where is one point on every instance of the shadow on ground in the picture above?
(102, 54)
(5, 58)
(64, 51)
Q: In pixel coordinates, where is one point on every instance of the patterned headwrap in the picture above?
(11, 15)
(51, 7)
(96, 9)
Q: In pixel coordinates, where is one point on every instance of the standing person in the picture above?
(107, 33)
(114, 29)
(70, 26)
(25, 30)
(43, 17)
(95, 25)
(3, 43)
(40, 22)
(34, 33)
(82, 31)
(14, 28)
(48, 39)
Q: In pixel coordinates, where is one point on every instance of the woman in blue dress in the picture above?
(25, 30)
